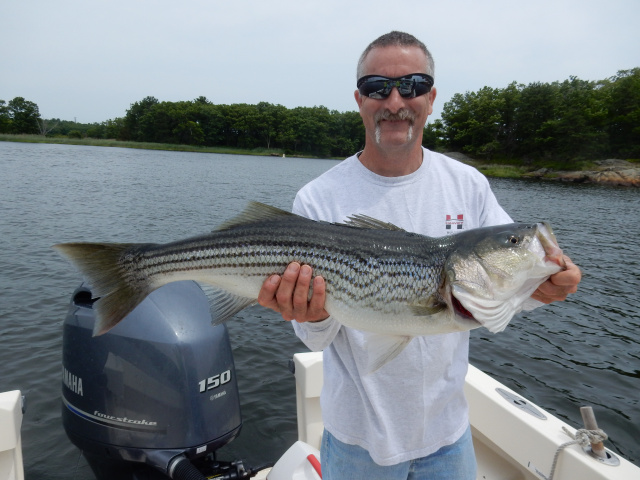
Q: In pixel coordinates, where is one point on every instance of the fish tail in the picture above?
(101, 265)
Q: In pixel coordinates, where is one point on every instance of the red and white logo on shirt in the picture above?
(454, 221)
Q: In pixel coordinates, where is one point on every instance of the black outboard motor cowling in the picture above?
(158, 386)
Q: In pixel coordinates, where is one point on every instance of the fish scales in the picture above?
(351, 260)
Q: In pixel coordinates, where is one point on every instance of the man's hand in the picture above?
(559, 285)
(289, 294)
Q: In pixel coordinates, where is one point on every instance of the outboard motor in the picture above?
(156, 395)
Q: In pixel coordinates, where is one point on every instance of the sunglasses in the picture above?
(409, 86)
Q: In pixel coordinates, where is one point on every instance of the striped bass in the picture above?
(379, 278)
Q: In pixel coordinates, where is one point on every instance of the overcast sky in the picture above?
(90, 60)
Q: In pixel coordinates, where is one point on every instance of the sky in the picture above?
(88, 61)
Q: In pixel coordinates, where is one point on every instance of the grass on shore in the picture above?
(97, 142)
(502, 171)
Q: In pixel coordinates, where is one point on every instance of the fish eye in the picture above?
(513, 240)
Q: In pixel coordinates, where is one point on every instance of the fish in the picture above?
(379, 278)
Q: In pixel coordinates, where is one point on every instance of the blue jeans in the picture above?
(350, 462)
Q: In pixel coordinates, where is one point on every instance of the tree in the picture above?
(347, 133)
(433, 134)
(563, 122)
(455, 115)
(113, 128)
(508, 108)
(45, 126)
(473, 121)
(577, 129)
(132, 120)
(536, 107)
(624, 113)
(5, 118)
(211, 118)
(24, 116)
(270, 118)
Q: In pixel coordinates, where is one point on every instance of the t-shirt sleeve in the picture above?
(492, 213)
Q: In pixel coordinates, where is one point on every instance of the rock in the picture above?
(627, 177)
(575, 177)
(538, 173)
(612, 171)
(614, 163)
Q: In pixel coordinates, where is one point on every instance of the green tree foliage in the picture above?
(433, 134)
(304, 130)
(5, 118)
(623, 92)
(566, 121)
(19, 116)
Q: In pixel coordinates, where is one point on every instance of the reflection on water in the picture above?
(581, 352)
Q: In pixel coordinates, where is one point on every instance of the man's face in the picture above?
(395, 121)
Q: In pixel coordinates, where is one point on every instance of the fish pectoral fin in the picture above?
(381, 349)
(431, 306)
(225, 305)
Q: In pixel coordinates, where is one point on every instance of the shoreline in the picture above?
(97, 142)
(610, 172)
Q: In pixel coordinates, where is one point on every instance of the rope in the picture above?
(583, 438)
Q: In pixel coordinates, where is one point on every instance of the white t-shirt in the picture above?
(415, 404)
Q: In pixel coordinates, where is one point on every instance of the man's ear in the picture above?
(432, 97)
(358, 98)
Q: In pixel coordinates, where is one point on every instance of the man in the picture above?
(408, 419)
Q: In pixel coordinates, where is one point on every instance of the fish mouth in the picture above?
(460, 311)
(461, 314)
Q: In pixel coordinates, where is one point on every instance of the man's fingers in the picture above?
(316, 304)
(558, 286)
(284, 295)
(301, 292)
(289, 294)
(267, 294)
(570, 276)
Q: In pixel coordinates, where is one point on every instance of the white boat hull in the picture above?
(11, 467)
(510, 442)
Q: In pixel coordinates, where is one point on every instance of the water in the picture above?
(582, 352)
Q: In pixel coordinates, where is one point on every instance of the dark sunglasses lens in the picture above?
(422, 87)
(376, 87)
(408, 87)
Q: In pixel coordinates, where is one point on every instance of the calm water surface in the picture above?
(582, 352)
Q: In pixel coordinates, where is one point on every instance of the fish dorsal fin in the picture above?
(254, 212)
(364, 221)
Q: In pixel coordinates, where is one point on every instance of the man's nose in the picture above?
(394, 102)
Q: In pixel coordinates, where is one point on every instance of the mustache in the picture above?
(402, 114)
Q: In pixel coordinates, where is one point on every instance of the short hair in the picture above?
(400, 39)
